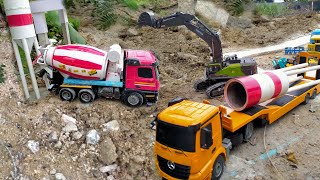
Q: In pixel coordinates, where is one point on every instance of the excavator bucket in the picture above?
(147, 19)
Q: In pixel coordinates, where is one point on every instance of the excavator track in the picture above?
(200, 85)
(215, 90)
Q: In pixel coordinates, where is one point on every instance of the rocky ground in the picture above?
(51, 139)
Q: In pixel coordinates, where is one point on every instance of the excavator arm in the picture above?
(194, 25)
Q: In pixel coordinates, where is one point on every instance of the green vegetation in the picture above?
(132, 4)
(270, 9)
(104, 13)
(237, 7)
(55, 30)
(2, 78)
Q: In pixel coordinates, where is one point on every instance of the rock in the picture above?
(132, 32)
(109, 168)
(216, 14)
(97, 174)
(66, 119)
(111, 126)
(92, 137)
(53, 137)
(108, 154)
(60, 176)
(110, 177)
(33, 146)
(58, 145)
(46, 178)
(70, 127)
(242, 23)
(76, 135)
(53, 172)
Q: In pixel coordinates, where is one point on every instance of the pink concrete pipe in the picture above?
(245, 92)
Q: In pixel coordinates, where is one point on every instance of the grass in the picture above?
(131, 4)
(2, 78)
(270, 9)
(236, 7)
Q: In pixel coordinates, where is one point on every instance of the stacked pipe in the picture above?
(245, 92)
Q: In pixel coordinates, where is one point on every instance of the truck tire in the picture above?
(133, 99)
(67, 94)
(306, 99)
(314, 94)
(247, 132)
(236, 139)
(86, 95)
(218, 168)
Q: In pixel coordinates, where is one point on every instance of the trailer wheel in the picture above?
(314, 94)
(247, 132)
(306, 99)
(218, 168)
(86, 95)
(67, 94)
(134, 99)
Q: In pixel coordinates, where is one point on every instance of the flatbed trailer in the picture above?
(193, 139)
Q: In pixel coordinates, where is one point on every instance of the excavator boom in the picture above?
(193, 24)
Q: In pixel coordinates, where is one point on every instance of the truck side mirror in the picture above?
(206, 137)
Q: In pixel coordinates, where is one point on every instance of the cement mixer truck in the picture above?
(88, 72)
(193, 139)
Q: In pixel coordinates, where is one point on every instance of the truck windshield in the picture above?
(176, 137)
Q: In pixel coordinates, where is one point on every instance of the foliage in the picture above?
(1, 6)
(132, 4)
(236, 7)
(104, 13)
(55, 30)
(68, 4)
(270, 9)
(2, 78)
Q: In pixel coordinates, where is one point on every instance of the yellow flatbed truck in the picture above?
(193, 139)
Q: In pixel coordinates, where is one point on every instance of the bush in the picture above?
(236, 7)
(2, 73)
(270, 9)
(104, 13)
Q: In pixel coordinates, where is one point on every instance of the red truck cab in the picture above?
(142, 74)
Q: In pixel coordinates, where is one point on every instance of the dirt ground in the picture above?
(182, 59)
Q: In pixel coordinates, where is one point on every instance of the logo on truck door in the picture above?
(171, 165)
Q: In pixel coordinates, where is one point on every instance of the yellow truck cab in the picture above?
(314, 47)
(193, 139)
(189, 141)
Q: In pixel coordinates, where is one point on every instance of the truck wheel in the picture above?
(306, 99)
(67, 94)
(248, 131)
(314, 94)
(236, 139)
(134, 99)
(86, 95)
(218, 168)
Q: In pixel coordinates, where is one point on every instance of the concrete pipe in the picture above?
(245, 92)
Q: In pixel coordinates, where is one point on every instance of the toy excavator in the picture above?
(220, 69)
